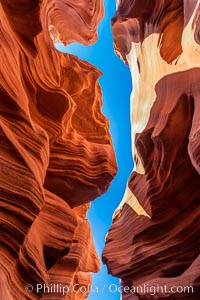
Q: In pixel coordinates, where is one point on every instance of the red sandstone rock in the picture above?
(154, 239)
(56, 151)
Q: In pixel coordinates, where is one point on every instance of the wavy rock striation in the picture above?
(56, 151)
(154, 239)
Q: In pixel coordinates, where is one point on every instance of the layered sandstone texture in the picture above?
(56, 151)
(154, 239)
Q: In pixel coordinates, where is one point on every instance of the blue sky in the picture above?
(116, 88)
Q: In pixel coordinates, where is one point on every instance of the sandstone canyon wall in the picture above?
(56, 151)
(154, 239)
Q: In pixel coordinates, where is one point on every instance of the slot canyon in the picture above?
(57, 153)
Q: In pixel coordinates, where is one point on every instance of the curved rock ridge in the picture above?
(154, 239)
(56, 151)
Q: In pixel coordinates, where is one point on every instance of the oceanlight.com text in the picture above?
(58, 288)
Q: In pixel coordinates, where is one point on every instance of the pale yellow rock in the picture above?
(54, 34)
(132, 201)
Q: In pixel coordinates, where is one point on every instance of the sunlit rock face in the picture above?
(154, 239)
(56, 151)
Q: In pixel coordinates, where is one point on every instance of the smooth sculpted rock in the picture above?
(56, 153)
(154, 239)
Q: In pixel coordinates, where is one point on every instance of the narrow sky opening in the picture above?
(116, 88)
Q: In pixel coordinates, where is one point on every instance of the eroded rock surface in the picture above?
(56, 151)
(154, 239)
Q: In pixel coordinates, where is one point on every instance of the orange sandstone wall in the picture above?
(56, 153)
(154, 238)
